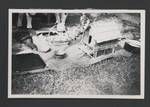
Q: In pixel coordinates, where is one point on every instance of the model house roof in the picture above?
(105, 30)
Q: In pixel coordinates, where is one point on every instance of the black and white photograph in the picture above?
(76, 53)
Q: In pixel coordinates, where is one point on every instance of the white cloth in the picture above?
(41, 43)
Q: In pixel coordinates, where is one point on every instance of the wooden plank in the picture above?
(32, 71)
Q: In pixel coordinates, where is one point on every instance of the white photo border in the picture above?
(142, 61)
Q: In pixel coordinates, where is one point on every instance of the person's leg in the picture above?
(57, 15)
(20, 19)
(61, 25)
(63, 17)
(29, 20)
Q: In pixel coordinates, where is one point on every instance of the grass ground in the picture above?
(119, 75)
